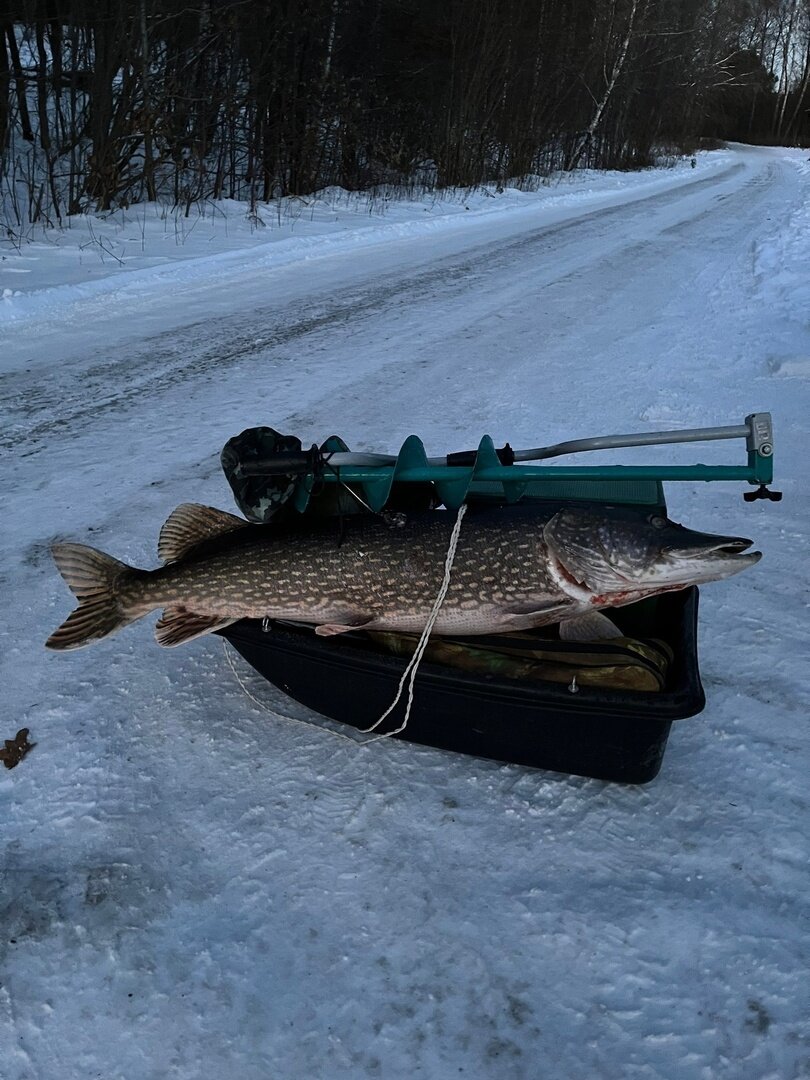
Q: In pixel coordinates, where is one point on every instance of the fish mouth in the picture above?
(710, 562)
(727, 548)
(732, 547)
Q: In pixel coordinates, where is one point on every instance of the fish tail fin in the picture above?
(91, 576)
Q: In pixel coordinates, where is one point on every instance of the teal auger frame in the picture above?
(508, 474)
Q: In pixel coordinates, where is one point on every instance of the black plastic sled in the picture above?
(617, 735)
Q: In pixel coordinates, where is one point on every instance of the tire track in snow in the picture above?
(37, 407)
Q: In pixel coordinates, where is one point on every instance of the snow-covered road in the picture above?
(192, 888)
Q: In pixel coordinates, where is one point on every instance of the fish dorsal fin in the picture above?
(178, 625)
(190, 524)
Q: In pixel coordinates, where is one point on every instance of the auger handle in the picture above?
(283, 463)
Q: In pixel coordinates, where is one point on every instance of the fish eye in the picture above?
(658, 522)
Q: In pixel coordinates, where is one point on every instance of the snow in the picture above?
(133, 251)
(194, 887)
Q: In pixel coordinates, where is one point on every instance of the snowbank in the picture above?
(147, 249)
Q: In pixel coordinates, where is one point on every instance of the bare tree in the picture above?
(109, 102)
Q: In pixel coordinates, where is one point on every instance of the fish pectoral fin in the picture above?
(191, 524)
(592, 626)
(177, 625)
(331, 629)
(525, 616)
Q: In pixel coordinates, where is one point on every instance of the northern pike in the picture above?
(515, 568)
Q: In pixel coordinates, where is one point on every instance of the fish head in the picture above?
(616, 550)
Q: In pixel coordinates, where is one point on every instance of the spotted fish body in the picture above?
(511, 571)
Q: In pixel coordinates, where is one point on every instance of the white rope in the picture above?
(413, 664)
(410, 670)
(275, 712)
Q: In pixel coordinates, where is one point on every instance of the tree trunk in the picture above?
(16, 67)
(584, 141)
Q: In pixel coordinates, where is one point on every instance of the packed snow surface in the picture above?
(194, 886)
